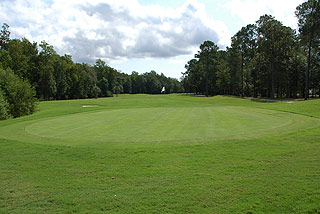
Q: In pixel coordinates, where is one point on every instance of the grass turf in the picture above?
(162, 154)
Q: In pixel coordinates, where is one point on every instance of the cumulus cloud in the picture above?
(249, 11)
(113, 29)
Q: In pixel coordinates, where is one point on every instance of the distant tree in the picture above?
(193, 76)
(223, 77)
(127, 84)
(104, 86)
(117, 89)
(23, 56)
(112, 77)
(47, 85)
(4, 36)
(296, 74)
(60, 66)
(207, 55)
(134, 85)
(234, 63)
(95, 91)
(153, 84)
(315, 71)
(5, 59)
(275, 45)
(141, 83)
(245, 43)
(75, 90)
(308, 14)
(46, 49)
(185, 82)
(88, 81)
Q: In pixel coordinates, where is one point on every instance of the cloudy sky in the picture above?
(137, 35)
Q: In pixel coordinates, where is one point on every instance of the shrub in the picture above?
(4, 107)
(109, 94)
(18, 94)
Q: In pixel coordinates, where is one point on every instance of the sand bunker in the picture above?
(89, 106)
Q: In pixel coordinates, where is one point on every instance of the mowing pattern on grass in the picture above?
(58, 161)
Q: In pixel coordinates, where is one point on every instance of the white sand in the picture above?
(89, 106)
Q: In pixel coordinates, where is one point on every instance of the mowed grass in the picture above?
(162, 154)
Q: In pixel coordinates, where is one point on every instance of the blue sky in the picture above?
(137, 35)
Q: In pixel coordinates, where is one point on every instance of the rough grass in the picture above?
(256, 174)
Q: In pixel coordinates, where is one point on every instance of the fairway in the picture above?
(162, 154)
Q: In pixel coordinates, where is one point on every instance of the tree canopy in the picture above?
(266, 59)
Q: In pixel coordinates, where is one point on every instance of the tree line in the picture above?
(29, 71)
(266, 59)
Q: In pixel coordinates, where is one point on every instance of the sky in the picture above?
(137, 35)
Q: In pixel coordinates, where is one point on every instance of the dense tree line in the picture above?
(58, 77)
(266, 59)
(46, 75)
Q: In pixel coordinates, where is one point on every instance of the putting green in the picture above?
(158, 125)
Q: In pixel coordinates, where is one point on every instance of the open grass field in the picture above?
(162, 154)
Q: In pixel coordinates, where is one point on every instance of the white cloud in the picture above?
(249, 11)
(113, 29)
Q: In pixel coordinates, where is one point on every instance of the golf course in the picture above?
(172, 153)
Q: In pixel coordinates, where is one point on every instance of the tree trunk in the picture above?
(306, 94)
(207, 77)
(255, 94)
(242, 78)
(272, 80)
